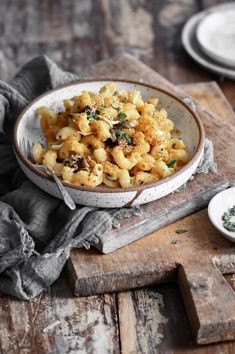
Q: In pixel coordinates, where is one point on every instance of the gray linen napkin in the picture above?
(37, 231)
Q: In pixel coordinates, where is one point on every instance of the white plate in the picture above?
(216, 35)
(221, 203)
(191, 45)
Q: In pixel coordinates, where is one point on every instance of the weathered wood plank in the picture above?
(141, 320)
(208, 299)
(202, 188)
(152, 259)
(63, 30)
(210, 95)
(230, 278)
(32, 28)
(154, 321)
(56, 322)
(94, 273)
(77, 33)
(228, 89)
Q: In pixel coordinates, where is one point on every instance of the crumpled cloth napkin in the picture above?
(37, 231)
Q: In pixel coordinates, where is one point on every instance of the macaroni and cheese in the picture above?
(112, 137)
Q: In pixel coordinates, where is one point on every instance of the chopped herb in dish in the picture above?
(122, 115)
(92, 114)
(171, 163)
(122, 136)
(226, 217)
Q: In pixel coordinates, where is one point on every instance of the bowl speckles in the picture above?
(27, 132)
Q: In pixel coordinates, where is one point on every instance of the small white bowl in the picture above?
(27, 132)
(219, 204)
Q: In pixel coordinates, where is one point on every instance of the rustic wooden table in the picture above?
(77, 34)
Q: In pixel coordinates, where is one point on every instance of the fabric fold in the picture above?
(37, 231)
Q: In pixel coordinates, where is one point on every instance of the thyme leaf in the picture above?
(122, 136)
(226, 217)
(122, 115)
(92, 113)
(181, 231)
(171, 163)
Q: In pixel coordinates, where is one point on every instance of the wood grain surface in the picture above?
(156, 257)
(156, 260)
(56, 322)
(201, 189)
(77, 33)
(150, 324)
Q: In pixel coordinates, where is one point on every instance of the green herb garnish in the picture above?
(92, 114)
(122, 136)
(118, 133)
(181, 231)
(128, 139)
(226, 217)
(122, 115)
(123, 123)
(171, 163)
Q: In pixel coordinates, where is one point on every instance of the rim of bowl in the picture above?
(106, 189)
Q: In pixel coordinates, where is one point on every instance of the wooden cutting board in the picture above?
(198, 192)
(196, 259)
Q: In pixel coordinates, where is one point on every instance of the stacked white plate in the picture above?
(209, 38)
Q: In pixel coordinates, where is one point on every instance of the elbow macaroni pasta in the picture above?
(111, 137)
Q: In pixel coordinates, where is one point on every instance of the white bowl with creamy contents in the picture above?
(27, 132)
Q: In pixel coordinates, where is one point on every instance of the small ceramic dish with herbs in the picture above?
(221, 211)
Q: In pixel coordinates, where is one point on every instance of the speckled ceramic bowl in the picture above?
(27, 132)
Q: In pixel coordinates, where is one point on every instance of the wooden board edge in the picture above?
(188, 302)
(191, 88)
(72, 275)
(189, 207)
(114, 282)
(206, 331)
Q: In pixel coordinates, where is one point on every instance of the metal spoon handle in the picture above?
(65, 195)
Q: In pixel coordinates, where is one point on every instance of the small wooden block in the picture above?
(209, 301)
